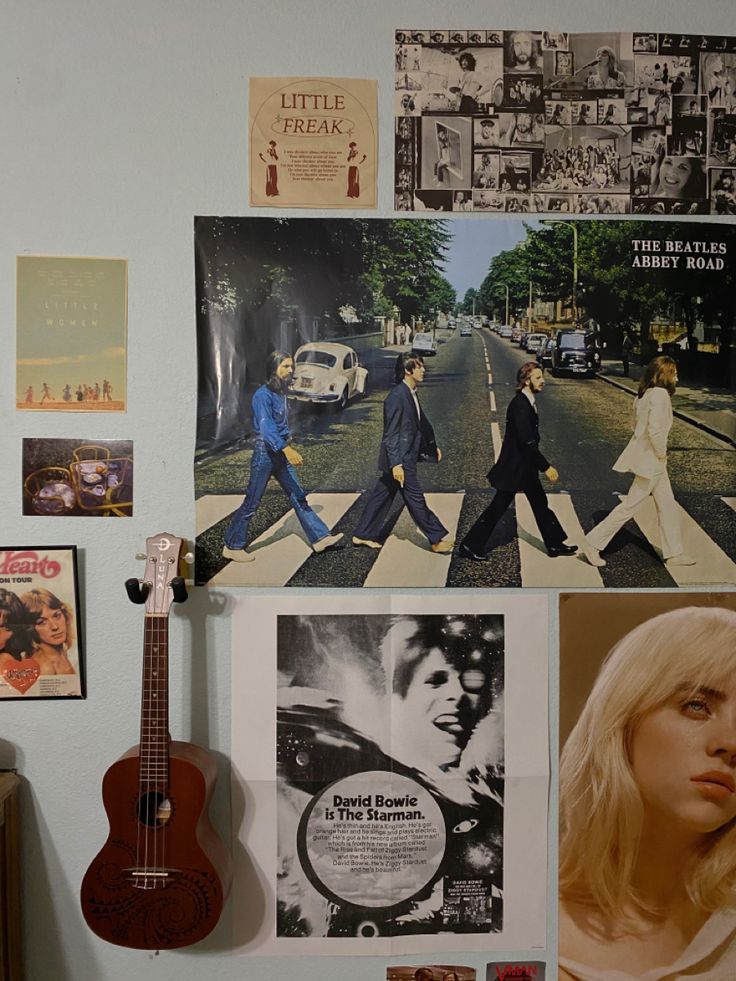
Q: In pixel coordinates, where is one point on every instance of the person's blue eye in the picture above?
(697, 706)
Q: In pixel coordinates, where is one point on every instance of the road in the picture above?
(584, 423)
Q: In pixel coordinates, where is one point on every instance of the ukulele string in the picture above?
(163, 731)
(153, 745)
(155, 722)
(148, 744)
(141, 746)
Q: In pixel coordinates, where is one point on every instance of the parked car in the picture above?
(505, 330)
(575, 352)
(326, 372)
(466, 330)
(424, 344)
(544, 354)
(533, 342)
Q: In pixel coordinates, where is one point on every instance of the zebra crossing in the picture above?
(281, 550)
(406, 561)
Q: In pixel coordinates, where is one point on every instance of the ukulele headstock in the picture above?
(163, 558)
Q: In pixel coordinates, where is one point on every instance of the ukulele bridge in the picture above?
(149, 878)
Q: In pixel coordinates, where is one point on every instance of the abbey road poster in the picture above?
(301, 323)
(399, 803)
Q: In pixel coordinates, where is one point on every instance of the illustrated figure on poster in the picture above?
(274, 457)
(353, 172)
(462, 202)
(15, 642)
(523, 53)
(627, 346)
(554, 41)
(80, 393)
(676, 177)
(525, 127)
(659, 115)
(714, 79)
(517, 472)
(558, 117)
(46, 394)
(646, 457)
(609, 117)
(67, 393)
(724, 194)
(106, 390)
(606, 74)
(29, 395)
(407, 438)
(272, 185)
(442, 163)
(405, 129)
(52, 631)
(436, 704)
(564, 63)
(472, 84)
(484, 176)
(646, 882)
(488, 135)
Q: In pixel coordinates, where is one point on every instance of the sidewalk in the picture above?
(710, 409)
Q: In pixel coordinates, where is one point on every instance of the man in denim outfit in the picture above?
(272, 456)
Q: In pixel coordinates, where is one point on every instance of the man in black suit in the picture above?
(407, 438)
(517, 472)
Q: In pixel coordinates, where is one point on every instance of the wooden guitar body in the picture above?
(161, 878)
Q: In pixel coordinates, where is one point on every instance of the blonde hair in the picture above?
(601, 808)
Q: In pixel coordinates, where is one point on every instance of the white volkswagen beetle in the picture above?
(326, 372)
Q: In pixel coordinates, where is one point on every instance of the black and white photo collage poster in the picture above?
(545, 121)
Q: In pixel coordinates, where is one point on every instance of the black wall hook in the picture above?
(179, 589)
(136, 590)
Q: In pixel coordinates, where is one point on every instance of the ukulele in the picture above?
(162, 876)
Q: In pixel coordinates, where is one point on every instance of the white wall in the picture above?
(120, 121)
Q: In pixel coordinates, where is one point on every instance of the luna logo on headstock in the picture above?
(163, 557)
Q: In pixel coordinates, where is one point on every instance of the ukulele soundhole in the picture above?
(154, 809)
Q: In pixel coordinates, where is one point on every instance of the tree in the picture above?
(469, 301)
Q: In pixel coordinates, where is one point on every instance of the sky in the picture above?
(71, 323)
(475, 242)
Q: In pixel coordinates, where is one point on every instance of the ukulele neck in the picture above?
(154, 737)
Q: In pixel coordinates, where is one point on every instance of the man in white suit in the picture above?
(646, 457)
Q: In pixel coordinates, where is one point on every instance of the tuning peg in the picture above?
(136, 590)
(141, 555)
(179, 589)
(189, 558)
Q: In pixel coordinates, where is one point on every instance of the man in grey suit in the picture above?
(517, 472)
(407, 438)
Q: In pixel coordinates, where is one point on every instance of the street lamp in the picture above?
(507, 306)
(573, 225)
